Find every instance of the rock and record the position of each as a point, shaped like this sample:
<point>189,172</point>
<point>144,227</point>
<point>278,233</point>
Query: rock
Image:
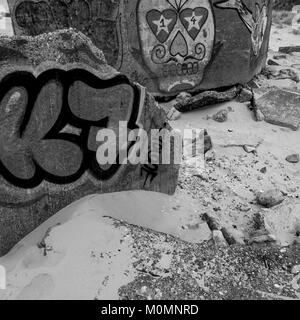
<point>207,98</point>
<point>296,269</point>
<point>212,220</point>
<point>207,142</point>
<point>270,198</point>
<point>173,114</point>
<point>262,239</point>
<point>233,236</point>
<point>284,222</point>
<point>272,63</point>
<point>288,74</point>
<point>183,98</point>
<point>279,73</point>
<point>245,95</point>
<point>279,56</point>
<point>280,107</point>
<point>219,239</point>
<point>74,91</point>
<point>289,49</point>
<point>249,148</point>
<point>210,155</point>
<point>259,115</point>
<point>293,158</point>
<point>221,116</point>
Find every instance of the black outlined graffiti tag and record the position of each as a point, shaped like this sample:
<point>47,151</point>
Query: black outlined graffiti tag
<point>35,112</point>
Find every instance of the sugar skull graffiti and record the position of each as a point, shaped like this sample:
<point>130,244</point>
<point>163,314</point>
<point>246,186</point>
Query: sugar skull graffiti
<point>256,23</point>
<point>176,39</point>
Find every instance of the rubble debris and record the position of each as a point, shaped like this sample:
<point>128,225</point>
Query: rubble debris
<point>280,107</point>
<point>206,98</point>
<point>270,198</point>
<point>173,114</point>
<point>284,222</point>
<point>249,148</point>
<point>221,116</point>
<point>273,63</point>
<point>293,158</point>
<point>262,238</point>
<point>245,95</point>
<point>289,49</point>
<point>219,239</point>
<point>279,73</point>
<point>207,142</point>
<point>183,98</point>
<point>296,269</point>
<point>212,220</point>
<point>279,56</point>
<point>259,116</point>
<point>210,155</point>
<point>233,236</point>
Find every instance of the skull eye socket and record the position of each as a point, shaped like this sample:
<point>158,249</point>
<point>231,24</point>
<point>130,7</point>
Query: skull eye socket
<point>162,23</point>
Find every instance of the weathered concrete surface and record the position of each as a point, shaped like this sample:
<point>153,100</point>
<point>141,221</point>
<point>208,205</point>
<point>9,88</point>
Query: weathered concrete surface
<point>167,46</point>
<point>280,107</point>
<point>56,93</point>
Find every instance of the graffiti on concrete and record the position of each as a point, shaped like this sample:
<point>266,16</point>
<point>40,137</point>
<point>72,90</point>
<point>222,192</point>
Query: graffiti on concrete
<point>49,124</point>
<point>177,39</point>
<point>256,23</point>
<point>168,46</point>
<point>97,19</point>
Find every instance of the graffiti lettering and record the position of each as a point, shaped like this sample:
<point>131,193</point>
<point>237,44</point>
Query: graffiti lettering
<point>48,124</point>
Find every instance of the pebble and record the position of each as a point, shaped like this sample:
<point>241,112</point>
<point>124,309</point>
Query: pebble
<point>221,116</point>
<point>296,269</point>
<point>249,148</point>
<point>293,158</point>
<point>270,198</point>
<point>262,239</point>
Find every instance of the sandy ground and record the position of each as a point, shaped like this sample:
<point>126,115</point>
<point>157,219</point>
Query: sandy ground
<point>160,247</point>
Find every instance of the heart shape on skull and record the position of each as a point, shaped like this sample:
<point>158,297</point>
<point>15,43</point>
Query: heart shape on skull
<point>193,20</point>
<point>162,23</point>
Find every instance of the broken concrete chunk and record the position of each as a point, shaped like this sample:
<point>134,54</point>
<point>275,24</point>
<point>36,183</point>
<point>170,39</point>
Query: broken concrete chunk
<point>233,236</point>
<point>280,107</point>
<point>272,63</point>
<point>219,239</point>
<point>289,49</point>
<point>69,88</point>
<point>207,98</point>
<point>284,222</point>
<point>212,220</point>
